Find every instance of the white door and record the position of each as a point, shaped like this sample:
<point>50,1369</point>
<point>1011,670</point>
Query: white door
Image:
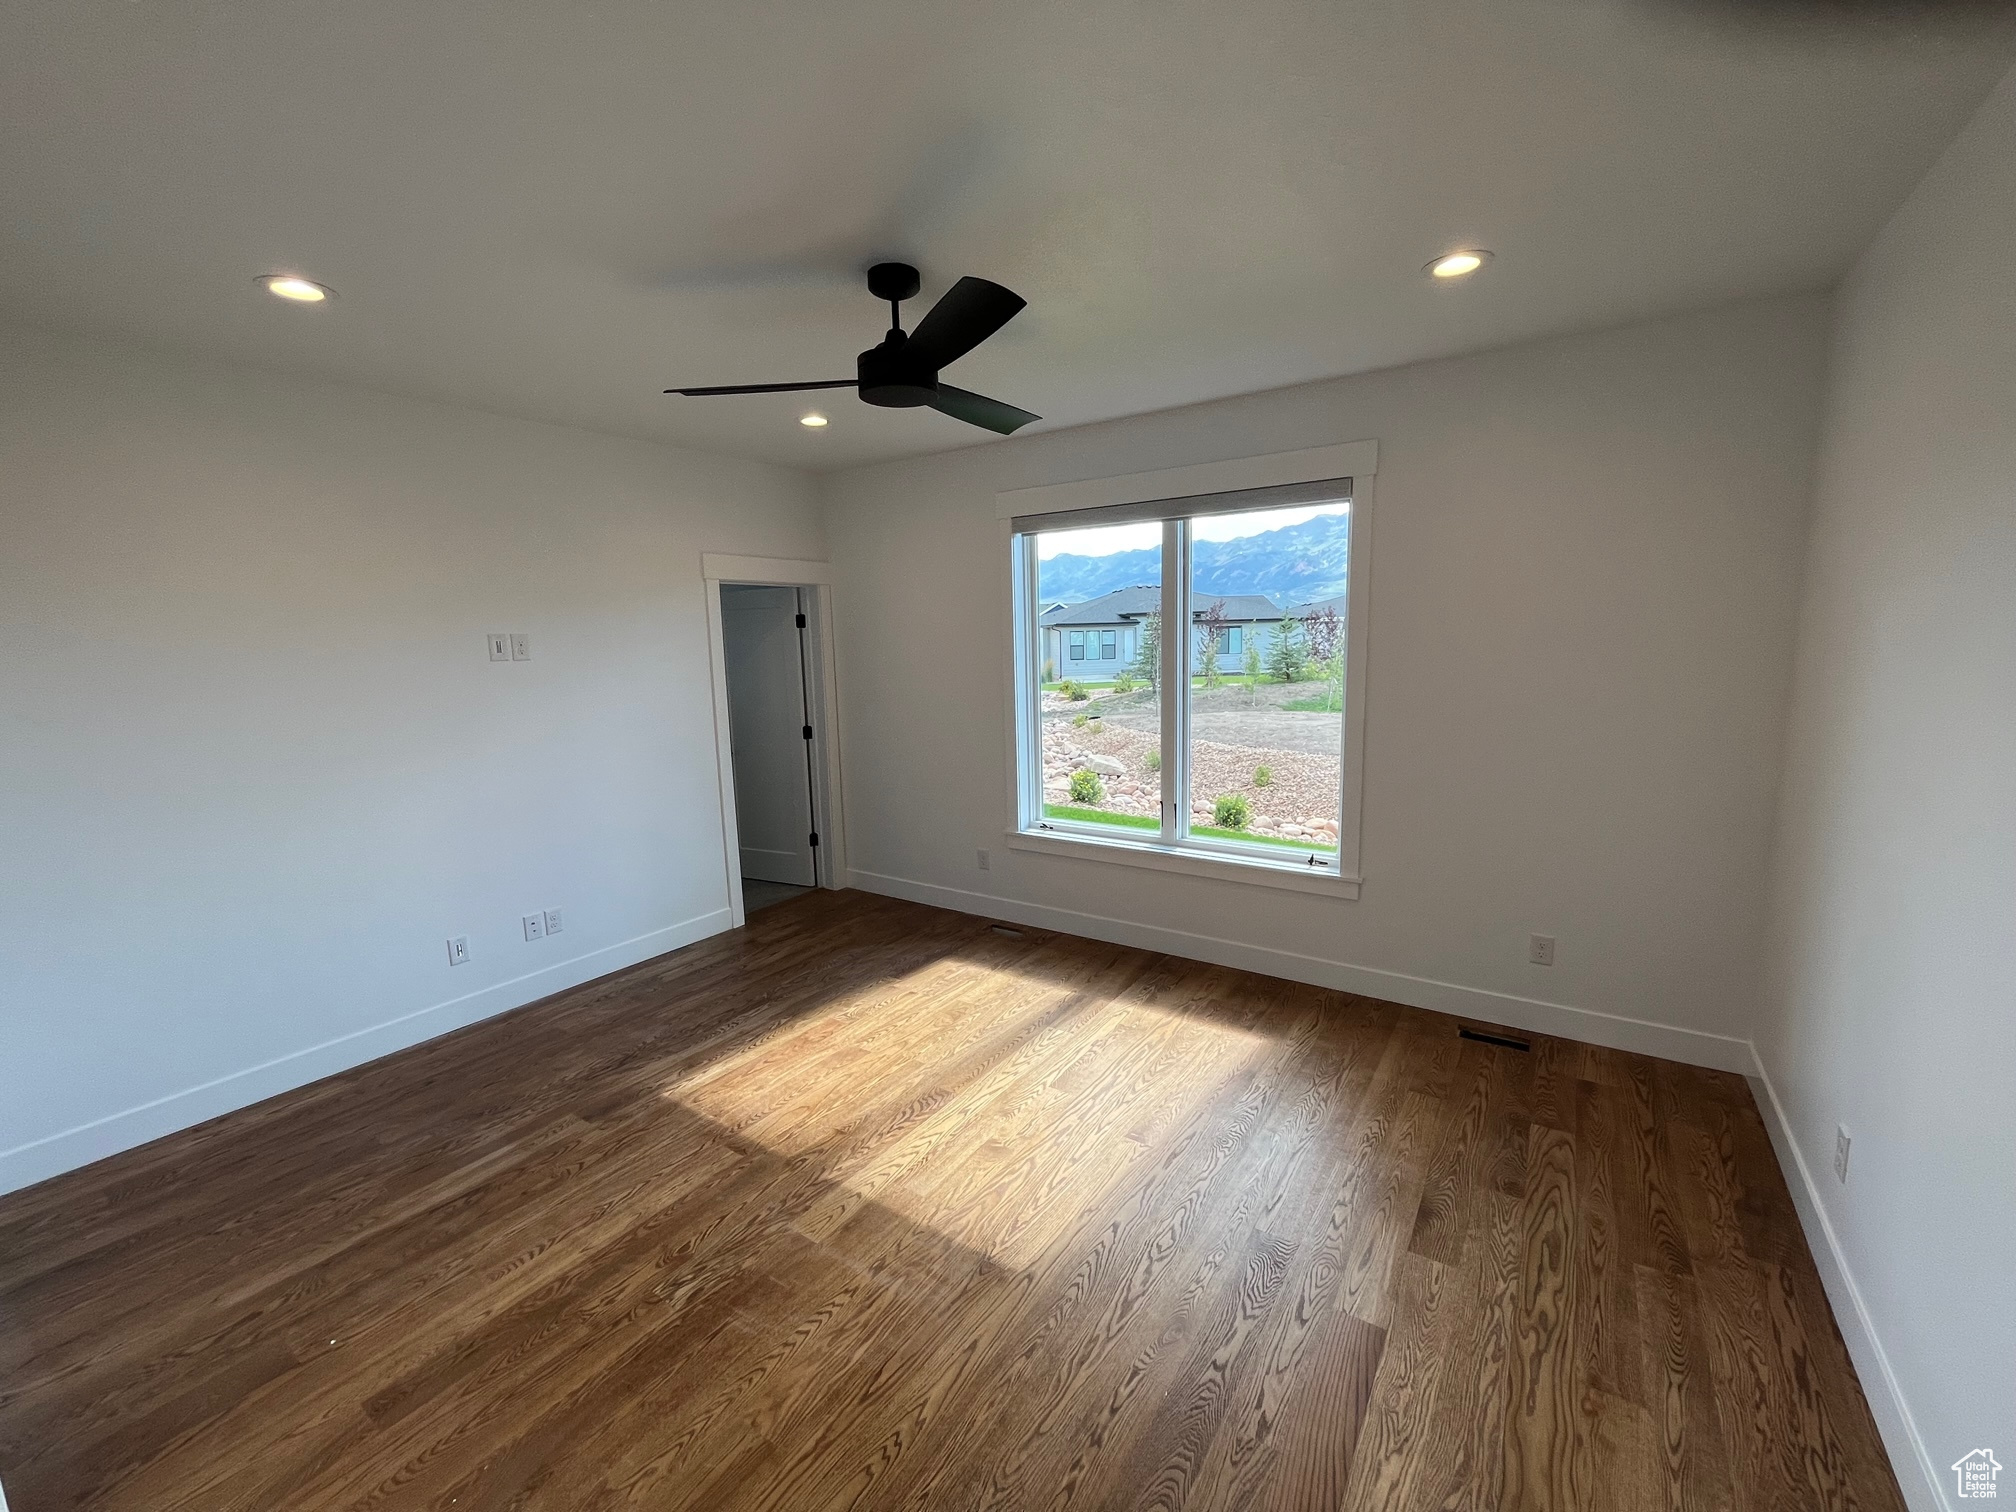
<point>768,713</point>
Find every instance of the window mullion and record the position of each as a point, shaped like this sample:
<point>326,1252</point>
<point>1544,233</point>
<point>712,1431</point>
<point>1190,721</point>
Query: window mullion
<point>1029,685</point>
<point>1175,680</point>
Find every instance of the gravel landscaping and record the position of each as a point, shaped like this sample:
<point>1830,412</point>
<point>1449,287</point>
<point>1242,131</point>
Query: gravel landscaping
<point>1299,803</point>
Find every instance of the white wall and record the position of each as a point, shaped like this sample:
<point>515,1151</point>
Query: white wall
<point>255,767</point>
<point>1584,583</point>
<point>1893,969</point>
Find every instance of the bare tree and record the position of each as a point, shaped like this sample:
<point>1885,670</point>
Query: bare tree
<point>1323,634</point>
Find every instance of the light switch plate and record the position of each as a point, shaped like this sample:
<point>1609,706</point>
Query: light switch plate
<point>458,951</point>
<point>500,646</point>
<point>535,926</point>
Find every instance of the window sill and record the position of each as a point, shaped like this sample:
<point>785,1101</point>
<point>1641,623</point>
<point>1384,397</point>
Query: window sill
<point>1154,856</point>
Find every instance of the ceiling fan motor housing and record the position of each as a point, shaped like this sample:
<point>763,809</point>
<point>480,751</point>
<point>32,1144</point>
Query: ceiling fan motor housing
<point>894,281</point>
<point>893,378</point>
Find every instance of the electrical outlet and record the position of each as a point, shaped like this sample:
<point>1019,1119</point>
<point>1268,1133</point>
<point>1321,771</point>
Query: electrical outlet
<point>458,951</point>
<point>500,646</point>
<point>552,921</point>
<point>986,862</point>
<point>535,926</point>
<point>521,646</point>
<point>1841,1143</point>
<point>1540,950</point>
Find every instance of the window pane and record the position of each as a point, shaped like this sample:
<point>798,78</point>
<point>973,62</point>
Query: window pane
<point>1101,719</point>
<point>1267,721</point>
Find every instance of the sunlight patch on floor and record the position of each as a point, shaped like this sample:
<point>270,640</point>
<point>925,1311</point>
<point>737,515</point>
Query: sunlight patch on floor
<point>1005,1165</point>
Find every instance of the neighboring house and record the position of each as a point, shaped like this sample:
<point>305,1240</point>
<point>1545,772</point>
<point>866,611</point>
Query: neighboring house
<point>1098,638</point>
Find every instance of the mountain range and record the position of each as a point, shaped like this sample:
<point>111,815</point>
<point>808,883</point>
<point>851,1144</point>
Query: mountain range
<point>1292,565</point>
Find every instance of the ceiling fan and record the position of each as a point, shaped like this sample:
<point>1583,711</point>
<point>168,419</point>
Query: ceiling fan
<point>902,371</point>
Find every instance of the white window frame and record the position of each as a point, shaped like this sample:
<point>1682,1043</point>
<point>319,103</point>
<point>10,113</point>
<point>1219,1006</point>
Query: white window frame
<point>1184,490</point>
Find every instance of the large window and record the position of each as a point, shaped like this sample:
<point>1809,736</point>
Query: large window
<point>1224,740</point>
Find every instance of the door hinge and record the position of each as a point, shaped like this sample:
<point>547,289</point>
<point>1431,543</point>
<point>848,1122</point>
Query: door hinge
<point>815,839</point>
<point>801,622</point>
<point>808,732</point>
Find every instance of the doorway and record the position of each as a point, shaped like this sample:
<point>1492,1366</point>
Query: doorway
<point>771,645</point>
<point>763,636</point>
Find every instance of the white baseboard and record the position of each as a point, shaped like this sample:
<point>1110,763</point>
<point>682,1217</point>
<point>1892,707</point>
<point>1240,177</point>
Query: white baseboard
<point>68,1149</point>
<point>1718,1051</point>
<point>1923,1484</point>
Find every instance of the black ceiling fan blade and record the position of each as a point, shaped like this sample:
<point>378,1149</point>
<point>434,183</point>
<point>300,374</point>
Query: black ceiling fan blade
<point>767,388</point>
<point>978,409</point>
<point>972,310</point>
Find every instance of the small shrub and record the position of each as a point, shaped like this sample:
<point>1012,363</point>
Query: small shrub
<point>1229,812</point>
<point>1074,690</point>
<point>1086,786</point>
<point>1078,721</point>
<point>1154,761</point>
<point>1123,681</point>
<point>1263,776</point>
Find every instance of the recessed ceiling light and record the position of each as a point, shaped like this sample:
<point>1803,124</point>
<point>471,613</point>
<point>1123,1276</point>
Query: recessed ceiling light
<point>1458,264</point>
<point>814,420</point>
<point>300,290</point>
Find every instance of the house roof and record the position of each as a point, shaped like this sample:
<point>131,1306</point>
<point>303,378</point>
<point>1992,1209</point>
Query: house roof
<point>1316,606</point>
<point>1126,604</point>
<point>1237,606</point>
<point>1109,608</point>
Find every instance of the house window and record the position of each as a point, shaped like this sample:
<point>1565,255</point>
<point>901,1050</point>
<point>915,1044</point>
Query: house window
<point>1216,746</point>
<point>1077,645</point>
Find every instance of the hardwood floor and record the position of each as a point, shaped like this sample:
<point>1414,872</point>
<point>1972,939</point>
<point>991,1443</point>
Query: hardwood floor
<point>871,1206</point>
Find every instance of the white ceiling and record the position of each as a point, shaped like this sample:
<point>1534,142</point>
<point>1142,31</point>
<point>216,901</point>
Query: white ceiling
<point>558,209</point>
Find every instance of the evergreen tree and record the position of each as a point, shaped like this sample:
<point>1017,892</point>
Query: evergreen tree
<point>1286,656</point>
<point>1148,660</point>
<point>1211,624</point>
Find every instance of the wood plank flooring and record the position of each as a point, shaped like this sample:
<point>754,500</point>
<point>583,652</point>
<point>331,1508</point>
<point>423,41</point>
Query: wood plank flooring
<point>871,1206</point>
